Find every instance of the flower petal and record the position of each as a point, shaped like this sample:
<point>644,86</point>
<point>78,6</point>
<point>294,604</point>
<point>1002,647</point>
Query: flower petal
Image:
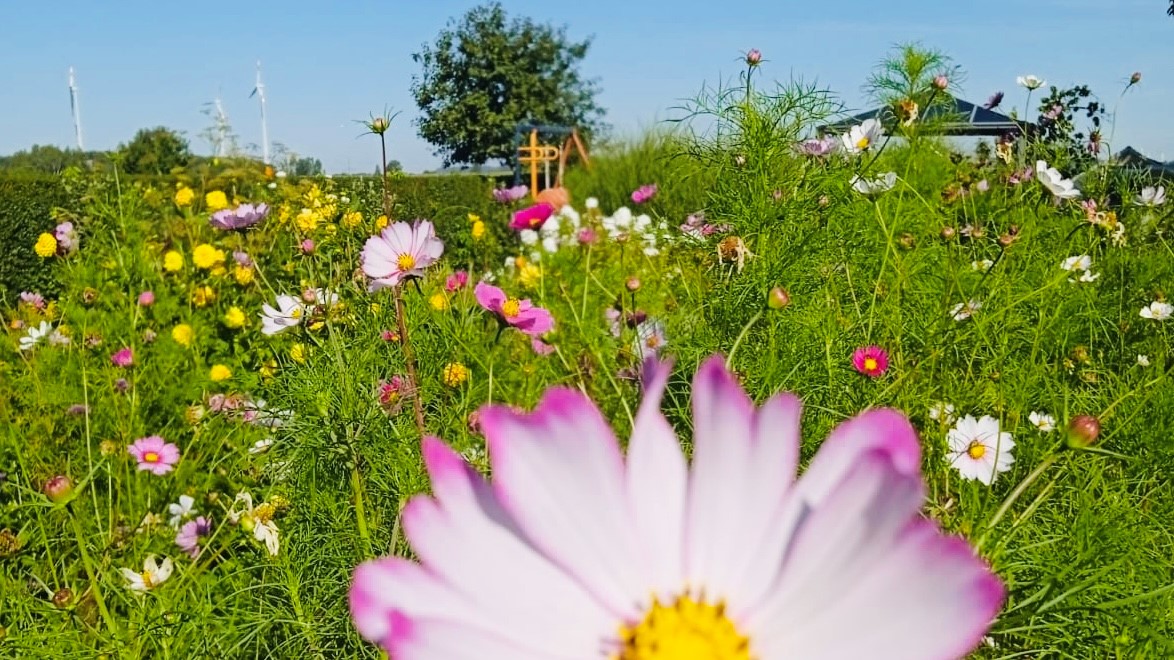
<point>429,639</point>
<point>884,429</point>
<point>559,472</point>
<point>489,296</point>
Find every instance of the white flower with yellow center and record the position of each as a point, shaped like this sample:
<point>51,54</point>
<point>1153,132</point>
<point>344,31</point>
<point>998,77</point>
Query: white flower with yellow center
<point>1042,421</point>
<point>1157,310</point>
<point>979,450</point>
<point>287,314</point>
<point>863,136</point>
<point>152,575</point>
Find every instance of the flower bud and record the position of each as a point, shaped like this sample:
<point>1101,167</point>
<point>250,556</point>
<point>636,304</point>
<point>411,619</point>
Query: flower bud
<point>778,298</point>
<point>1135,78</point>
<point>1083,431</point>
<point>906,240</point>
<point>633,284</point>
<point>940,83</point>
<point>307,246</point>
<point>753,57</point>
<point>1007,239</point>
<point>59,488</point>
<point>379,125</point>
<point>62,598</point>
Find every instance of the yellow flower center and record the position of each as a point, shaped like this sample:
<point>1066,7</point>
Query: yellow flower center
<point>870,364</point>
<point>652,342</point>
<point>976,450</point>
<point>148,582</point>
<point>863,143</point>
<point>687,629</point>
<point>511,308</point>
<point>151,457</point>
<point>406,262</point>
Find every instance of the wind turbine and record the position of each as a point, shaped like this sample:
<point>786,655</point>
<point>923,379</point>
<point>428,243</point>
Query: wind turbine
<point>259,92</point>
<point>75,108</point>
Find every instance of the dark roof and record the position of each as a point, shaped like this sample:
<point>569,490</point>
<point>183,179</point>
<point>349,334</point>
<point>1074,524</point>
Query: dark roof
<point>961,118</point>
<point>1132,158</point>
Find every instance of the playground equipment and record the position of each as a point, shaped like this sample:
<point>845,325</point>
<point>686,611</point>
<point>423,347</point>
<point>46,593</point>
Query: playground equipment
<point>531,153</point>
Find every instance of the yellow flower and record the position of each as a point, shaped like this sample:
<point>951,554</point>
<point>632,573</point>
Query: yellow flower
<point>439,301</point>
<point>352,219</point>
<point>219,373</point>
<point>478,230</point>
<point>218,271</point>
<point>474,218</point>
<point>184,196</point>
<point>202,296</point>
<point>455,373</point>
<point>172,261</point>
<point>46,246</point>
<point>205,256</point>
<point>380,222</point>
<point>269,369</point>
<point>307,221</point>
<point>529,275</point>
<point>297,353</point>
<point>183,334</point>
<point>234,317</point>
<point>375,307</point>
<point>216,200</point>
<point>243,274</point>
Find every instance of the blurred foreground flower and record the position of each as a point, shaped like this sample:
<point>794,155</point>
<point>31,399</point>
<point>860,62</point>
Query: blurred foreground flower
<point>650,558</point>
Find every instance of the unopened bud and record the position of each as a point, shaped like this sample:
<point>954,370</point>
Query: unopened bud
<point>753,57</point>
<point>1007,239</point>
<point>379,125</point>
<point>62,598</point>
<point>1135,78</point>
<point>59,488</point>
<point>633,284</point>
<point>1083,431</point>
<point>906,240</point>
<point>778,298</point>
<point>948,233</point>
<point>940,83</point>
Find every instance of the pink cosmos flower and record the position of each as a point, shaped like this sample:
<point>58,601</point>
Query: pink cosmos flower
<point>587,236</point>
<point>729,556</point>
<point>509,195</point>
<point>456,281</point>
<point>818,146</point>
<point>391,393</point>
<point>644,193</point>
<point>400,252</point>
<point>872,361</point>
<point>532,217</point>
<point>154,454</point>
<point>123,357</point>
<point>242,258</point>
<point>146,299</point>
<point>190,533</point>
<point>239,218</point>
<point>33,299</point>
<point>540,347</point>
<point>308,246</point>
<point>521,314</point>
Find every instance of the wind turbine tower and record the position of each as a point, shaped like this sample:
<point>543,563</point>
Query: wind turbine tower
<point>259,92</point>
<point>76,110</point>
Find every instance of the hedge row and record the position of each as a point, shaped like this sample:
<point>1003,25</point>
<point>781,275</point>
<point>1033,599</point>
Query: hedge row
<point>26,209</point>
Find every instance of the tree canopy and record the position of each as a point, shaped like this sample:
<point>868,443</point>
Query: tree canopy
<point>486,72</point>
<point>154,151</point>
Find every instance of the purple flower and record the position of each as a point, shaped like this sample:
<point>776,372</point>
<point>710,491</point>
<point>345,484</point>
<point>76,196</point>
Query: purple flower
<point>66,238</point>
<point>818,146</point>
<point>123,357</point>
<point>77,410</point>
<point>1054,112</point>
<point>753,57</point>
<point>146,299</point>
<point>510,195</point>
<point>33,299</point>
<point>240,218</point>
<point>308,246</point>
<point>994,101</point>
<point>242,258</point>
<point>587,236</point>
<point>188,538</point>
<point>121,385</point>
<point>644,194</point>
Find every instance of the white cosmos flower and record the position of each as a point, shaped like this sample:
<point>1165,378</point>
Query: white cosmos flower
<point>1157,310</point>
<point>650,339</point>
<point>1143,360</point>
<point>982,266</point>
<point>550,244</point>
<point>286,315</point>
<point>181,510</point>
<point>979,450</point>
<point>261,446</point>
<point>324,297</point>
<point>591,203</point>
<point>259,517</point>
<point>1055,182</point>
<point>1042,421</point>
<point>861,137</point>
<point>1086,276</point>
<point>35,334</point>
<point>874,186</point>
<point>528,236</point>
<point>152,575</point>
<point>1030,82</point>
<point>1082,262</point>
<point>942,412</point>
<point>1151,196</point>
<point>963,311</point>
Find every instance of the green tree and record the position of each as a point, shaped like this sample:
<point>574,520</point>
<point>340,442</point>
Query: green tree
<point>486,72</point>
<point>154,151</point>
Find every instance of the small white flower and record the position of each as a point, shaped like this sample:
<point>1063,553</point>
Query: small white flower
<point>550,244</point>
<point>1055,182</point>
<point>35,335</point>
<point>286,315</point>
<point>272,185</point>
<point>650,339</point>
<point>1030,82</point>
<point>942,412</point>
<point>511,262</point>
<point>874,186</point>
<point>528,236</point>
<point>266,532</point>
<point>863,136</point>
<point>261,446</point>
<point>651,250</point>
<point>979,449</point>
<point>58,338</point>
<point>982,266</point>
<point>152,575</point>
<point>1042,421</point>
<point>1143,360</point>
<point>1082,262</point>
<point>344,199</point>
<point>1086,276</point>
<point>281,174</point>
<point>963,311</point>
<point>1151,196</point>
<point>1157,310</point>
<point>181,510</point>
<point>591,203</point>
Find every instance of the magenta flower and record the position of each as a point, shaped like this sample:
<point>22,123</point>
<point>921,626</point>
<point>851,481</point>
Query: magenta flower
<point>456,281</point>
<point>123,357</point>
<point>308,246</point>
<point>521,314</point>
<point>872,361</point>
<point>154,454</point>
<point>390,392</point>
<point>753,57</point>
<point>400,252</point>
<point>240,218</point>
<point>35,300</point>
<point>190,533</point>
<point>728,555</point>
<point>146,299</point>
<point>540,347</point>
<point>532,217</point>
<point>644,193</point>
<point>587,236</point>
<point>510,195</point>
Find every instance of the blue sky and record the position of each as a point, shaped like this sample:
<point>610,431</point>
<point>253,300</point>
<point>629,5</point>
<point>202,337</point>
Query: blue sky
<point>327,63</point>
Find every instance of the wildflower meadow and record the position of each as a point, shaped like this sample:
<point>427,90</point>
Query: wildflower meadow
<point>766,382</point>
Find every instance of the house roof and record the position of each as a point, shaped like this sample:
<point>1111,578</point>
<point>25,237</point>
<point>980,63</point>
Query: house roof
<point>961,118</point>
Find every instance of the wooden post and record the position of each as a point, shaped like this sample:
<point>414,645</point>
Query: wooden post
<point>534,164</point>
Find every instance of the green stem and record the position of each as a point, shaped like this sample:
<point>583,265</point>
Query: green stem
<point>741,336</point>
<point>1015,494</point>
<point>360,508</point>
<point>92,574</point>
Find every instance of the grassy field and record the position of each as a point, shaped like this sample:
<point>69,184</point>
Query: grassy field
<point>299,449</point>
